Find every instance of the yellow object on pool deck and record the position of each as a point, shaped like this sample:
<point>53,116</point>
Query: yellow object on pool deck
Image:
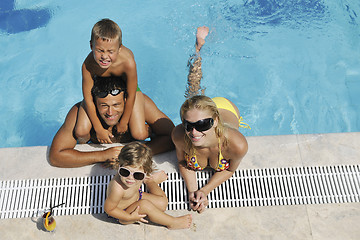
<point>223,103</point>
<point>49,222</point>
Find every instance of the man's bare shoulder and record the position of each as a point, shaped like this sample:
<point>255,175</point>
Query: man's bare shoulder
<point>178,134</point>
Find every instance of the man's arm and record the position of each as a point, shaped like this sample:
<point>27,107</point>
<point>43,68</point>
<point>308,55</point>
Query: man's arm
<point>160,125</point>
<point>63,154</point>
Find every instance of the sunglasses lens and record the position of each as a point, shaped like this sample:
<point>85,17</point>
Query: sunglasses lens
<point>139,175</point>
<point>102,94</point>
<point>200,126</point>
<point>188,126</point>
<point>115,92</point>
<point>204,124</point>
<point>124,172</point>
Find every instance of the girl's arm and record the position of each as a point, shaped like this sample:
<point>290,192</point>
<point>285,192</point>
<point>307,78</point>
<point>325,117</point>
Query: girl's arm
<point>131,83</point>
<point>111,207</point>
<point>102,134</point>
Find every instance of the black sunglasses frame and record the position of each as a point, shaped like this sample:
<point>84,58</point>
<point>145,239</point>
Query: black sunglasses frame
<point>200,126</point>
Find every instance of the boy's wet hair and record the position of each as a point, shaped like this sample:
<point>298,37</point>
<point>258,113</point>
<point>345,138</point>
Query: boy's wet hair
<point>136,154</point>
<point>106,29</point>
<point>107,84</point>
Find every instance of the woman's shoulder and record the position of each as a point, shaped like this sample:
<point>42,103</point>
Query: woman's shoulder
<point>236,142</point>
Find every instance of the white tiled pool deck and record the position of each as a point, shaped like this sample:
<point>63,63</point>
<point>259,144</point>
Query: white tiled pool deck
<point>321,221</point>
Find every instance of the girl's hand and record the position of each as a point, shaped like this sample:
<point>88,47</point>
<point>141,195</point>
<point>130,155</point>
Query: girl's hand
<point>138,217</point>
<point>103,136</point>
<point>121,128</point>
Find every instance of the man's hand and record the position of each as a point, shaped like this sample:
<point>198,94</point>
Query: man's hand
<point>111,156</point>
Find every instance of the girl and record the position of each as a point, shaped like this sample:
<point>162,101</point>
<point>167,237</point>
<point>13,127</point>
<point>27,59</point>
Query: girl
<point>125,200</point>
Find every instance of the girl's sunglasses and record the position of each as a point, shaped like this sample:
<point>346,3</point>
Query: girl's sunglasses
<point>200,126</point>
<point>124,172</point>
<point>113,92</point>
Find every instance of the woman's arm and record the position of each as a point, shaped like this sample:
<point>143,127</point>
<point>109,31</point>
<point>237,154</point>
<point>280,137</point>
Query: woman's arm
<point>188,174</point>
<point>234,152</point>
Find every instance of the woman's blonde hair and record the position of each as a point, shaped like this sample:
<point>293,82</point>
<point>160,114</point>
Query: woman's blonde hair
<point>106,29</point>
<point>202,103</point>
<point>138,155</point>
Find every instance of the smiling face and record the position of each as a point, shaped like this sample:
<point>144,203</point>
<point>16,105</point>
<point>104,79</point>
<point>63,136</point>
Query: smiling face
<point>198,138</point>
<point>111,108</point>
<point>105,51</point>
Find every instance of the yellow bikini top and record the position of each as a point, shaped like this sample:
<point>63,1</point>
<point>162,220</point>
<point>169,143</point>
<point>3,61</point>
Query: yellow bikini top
<point>192,163</point>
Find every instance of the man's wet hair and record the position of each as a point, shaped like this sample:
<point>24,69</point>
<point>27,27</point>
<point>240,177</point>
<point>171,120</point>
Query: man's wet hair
<point>107,84</point>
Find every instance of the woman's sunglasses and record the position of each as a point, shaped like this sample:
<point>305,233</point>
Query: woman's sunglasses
<point>124,172</point>
<point>113,92</point>
<point>200,126</point>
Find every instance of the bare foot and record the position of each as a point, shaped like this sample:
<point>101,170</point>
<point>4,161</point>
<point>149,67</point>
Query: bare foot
<point>181,222</point>
<point>157,177</point>
<point>201,34</point>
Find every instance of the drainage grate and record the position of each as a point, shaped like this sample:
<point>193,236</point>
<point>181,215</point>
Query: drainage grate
<point>249,187</point>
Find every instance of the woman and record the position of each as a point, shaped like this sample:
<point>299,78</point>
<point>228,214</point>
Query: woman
<point>208,135</point>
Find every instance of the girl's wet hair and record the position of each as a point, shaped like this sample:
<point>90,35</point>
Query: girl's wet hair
<point>136,154</point>
<point>106,29</point>
<point>202,103</point>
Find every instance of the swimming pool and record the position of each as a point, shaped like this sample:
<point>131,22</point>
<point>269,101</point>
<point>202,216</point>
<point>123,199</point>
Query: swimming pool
<point>292,67</point>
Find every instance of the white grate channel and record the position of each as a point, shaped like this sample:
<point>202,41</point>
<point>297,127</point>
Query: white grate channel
<point>246,188</point>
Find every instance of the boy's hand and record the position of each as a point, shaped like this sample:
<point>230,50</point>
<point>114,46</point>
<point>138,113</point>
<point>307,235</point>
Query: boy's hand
<point>103,136</point>
<point>138,217</point>
<point>121,127</point>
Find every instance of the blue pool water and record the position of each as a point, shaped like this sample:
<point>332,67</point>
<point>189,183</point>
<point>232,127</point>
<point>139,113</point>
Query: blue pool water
<point>291,66</point>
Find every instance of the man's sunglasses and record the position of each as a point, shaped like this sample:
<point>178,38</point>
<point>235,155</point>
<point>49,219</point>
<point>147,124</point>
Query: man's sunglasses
<point>200,126</point>
<point>124,172</point>
<point>113,92</point>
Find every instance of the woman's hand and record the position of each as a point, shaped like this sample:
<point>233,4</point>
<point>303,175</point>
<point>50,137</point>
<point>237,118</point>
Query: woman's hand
<point>198,201</point>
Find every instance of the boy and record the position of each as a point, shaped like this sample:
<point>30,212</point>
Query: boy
<point>125,200</point>
<point>110,58</point>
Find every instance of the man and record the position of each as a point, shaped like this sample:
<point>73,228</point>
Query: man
<point>109,94</point>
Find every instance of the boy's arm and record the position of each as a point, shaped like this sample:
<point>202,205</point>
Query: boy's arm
<point>102,134</point>
<point>131,84</point>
